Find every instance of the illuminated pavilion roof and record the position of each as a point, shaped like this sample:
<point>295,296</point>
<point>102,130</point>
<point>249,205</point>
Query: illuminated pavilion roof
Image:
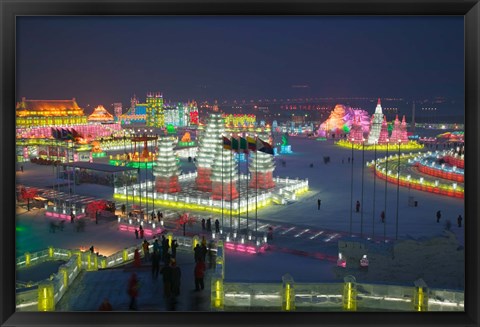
<point>100,114</point>
<point>55,108</point>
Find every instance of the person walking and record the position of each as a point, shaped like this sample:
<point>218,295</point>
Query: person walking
<point>197,252</point>
<point>209,224</point>
<point>439,215</point>
<point>459,220</point>
<point>141,231</point>
<point>176,277</point>
<point>319,203</point>
<point>203,223</point>
<point>174,249</point>
<point>357,206</point>
<point>146,251</point>
<point>133,286</point>
<point>382,216</point>
<point>136,259</point>
<point>155,264</point>
<point>217,226</point>
<point>167,281</point>
<point>21,168</point>
<point>124,208</point>
<point>136,233</point>
<point>199,273</point>
<point>165,246</point>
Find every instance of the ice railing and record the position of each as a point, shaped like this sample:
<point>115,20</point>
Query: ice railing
<point>288,295</point>
<point>330,297</point>
<point>43,295</point>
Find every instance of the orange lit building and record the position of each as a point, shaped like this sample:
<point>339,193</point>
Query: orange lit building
<point>100,114</point>
<point>30,113</point>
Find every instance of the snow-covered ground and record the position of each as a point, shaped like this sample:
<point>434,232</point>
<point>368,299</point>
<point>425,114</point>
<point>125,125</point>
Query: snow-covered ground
<point>300,229</point>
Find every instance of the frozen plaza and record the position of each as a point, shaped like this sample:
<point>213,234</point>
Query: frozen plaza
<point>305,238</point>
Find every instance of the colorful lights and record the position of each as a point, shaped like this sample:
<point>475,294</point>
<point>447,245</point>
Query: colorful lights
<point>421,183</point>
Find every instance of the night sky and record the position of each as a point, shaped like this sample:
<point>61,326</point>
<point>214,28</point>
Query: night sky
<point>101,60</point>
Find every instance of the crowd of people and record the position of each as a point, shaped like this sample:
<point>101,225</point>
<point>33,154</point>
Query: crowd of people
<point>162,257</point>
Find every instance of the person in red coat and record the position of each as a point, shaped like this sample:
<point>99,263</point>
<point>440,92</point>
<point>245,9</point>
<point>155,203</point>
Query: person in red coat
<point>136,259</point>
<point>132,291</point>
<point>199,273</point>
<point>105,306</point>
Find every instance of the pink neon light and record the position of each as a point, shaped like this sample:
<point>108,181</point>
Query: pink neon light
<point>241,248</point>
<point>230,246</point>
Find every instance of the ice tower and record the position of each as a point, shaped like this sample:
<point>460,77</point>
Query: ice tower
<point>167,169</point>
<point>224,174</point>
<point>207,144</point>
<point>261,167</point>
<point>376,127</point>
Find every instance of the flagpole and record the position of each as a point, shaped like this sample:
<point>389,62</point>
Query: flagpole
<point>246,157</point>
<point>231,190</point>
<point>239,177</point>
<point>256,187</point>
<point>223,192</point>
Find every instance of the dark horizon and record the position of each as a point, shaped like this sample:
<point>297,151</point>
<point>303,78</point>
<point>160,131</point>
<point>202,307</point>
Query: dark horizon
<point>101,60</point>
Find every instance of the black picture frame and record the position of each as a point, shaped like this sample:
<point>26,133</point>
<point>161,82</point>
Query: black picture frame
<point>470,9</point>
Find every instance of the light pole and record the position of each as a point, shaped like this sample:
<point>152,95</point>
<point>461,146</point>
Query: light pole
<point>374,186</point>
<point>363,170</point>
<point>398,189</point>
<point>385,206</point>
<point>351,191</point>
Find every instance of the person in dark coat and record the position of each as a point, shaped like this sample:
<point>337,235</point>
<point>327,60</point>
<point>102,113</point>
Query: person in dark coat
<point>357,206</point>
<point>155,264</point>
<point>319,203</point>
<point>133,286</point>
<point>203,223</point>
<point>217,226</point>
<point>203,252</point>
<point>174,249</point>
<point>136,233</point>
<point>123,209</point>
<point>382,216</point>
<point>141,231</point>
<point>199,273</point>
<point>197,253</point>
<point>167,281</point>
<point>439,215</point>
<point>209,225</point>
<point>176,277</point>
<point>165,246</point>
<point>459,220</point>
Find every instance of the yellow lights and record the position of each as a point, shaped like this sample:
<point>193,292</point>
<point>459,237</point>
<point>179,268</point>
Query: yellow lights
<point>287,298</point>
<point>420,296</point>
<point>218,295</point>
<point>411,145</point>
<point>125,255</point>
<point>50,252</point>
<point>170,238</point>
<point>288,302</point>
<point>79,259</point>
<point>195,241</point>
<point>46,300</point>
<point>195,206</point>
<point>63,271</point>
<point>349,294</point>
<point>28,259</point>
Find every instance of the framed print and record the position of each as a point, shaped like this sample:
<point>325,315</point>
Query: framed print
<point>184,163</point>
